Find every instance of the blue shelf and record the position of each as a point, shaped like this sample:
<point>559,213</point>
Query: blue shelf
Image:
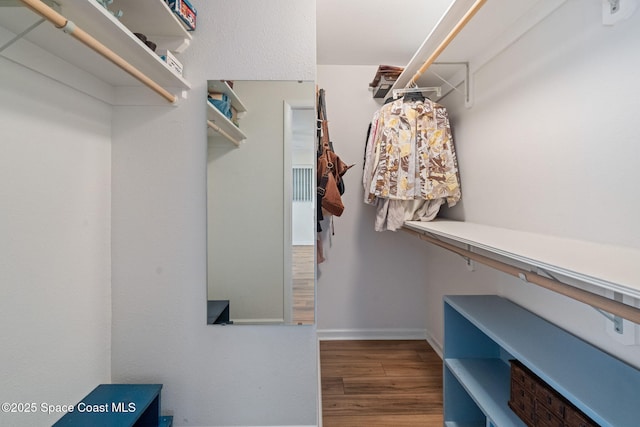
<point>487,326</point>
<point>487,382</point>
<point>121,405</point>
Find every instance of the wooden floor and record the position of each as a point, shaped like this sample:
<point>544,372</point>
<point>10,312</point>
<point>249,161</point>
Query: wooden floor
<point>303,285</point>
<point>380,384</point>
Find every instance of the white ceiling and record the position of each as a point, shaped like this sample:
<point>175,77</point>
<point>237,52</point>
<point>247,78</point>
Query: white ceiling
<point>373,32</point>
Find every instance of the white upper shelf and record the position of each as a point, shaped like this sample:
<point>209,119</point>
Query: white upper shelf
<point>606,266</point>
<point>153,18</point>
<point>494,27</point>
<point>94,19</point>
<point>226,126</point>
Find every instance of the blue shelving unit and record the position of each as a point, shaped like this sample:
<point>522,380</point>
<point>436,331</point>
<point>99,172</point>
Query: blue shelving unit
<point>483,332</point>
<point>122,405</point>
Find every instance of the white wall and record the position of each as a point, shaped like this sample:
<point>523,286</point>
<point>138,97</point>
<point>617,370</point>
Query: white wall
<point>55,191</point>
<point>212,375</point>
<point>371,283</point>
<point>550,146</point>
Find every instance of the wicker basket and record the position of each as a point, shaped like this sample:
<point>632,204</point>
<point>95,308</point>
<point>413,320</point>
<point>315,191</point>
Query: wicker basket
<point>539,405</point>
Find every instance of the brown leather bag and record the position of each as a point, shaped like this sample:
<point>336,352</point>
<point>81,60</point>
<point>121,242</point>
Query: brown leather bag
<point>331,199</point>
<point>330,170</point>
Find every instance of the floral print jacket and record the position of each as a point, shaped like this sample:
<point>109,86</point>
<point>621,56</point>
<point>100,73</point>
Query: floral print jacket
<point>410,154</point>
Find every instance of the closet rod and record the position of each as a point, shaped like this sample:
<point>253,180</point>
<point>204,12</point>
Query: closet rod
<point>454,32</point>
<point>221,131</point>
<point>614,307</point>
<point>67,26</point>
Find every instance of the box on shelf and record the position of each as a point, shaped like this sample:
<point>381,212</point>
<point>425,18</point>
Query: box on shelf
<point>185,11</point>
<point>385,77</point>
<point>170,59</point>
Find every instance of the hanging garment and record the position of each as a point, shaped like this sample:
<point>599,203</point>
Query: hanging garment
<point>391,214</point>
<point>410,157</point>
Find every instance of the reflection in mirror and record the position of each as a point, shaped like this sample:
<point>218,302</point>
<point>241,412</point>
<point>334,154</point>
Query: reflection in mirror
<point>260,204</point>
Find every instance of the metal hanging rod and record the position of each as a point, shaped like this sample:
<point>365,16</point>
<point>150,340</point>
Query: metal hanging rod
<point>597,301</point>
<point>454,32</point>
<point>69,27</point>
<point>221,131</point>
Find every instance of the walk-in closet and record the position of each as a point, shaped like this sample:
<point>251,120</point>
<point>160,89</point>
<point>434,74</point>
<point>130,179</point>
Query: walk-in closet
<point>319,213</point>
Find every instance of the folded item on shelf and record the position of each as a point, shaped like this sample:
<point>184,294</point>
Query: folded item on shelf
<point>168,57</point>
<point>185,11</point>
<point>222,102</point>
<point>390,72</point>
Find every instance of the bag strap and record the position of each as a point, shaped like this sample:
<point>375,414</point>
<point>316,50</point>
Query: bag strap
<point>322,185</point>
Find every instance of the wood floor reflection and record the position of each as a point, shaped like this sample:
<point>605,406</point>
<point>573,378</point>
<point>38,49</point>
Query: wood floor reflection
<point>303,285</point>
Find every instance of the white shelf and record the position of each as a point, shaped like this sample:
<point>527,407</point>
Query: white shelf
<point>90,16</point>
<point>224,124</point>
<point>606,266</point>
<point>487,382</point>
<point>495,26</point>
<point>223,87</point>
<point>154,19</point>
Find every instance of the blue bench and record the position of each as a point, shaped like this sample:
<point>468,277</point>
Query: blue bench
<point>122,405</point>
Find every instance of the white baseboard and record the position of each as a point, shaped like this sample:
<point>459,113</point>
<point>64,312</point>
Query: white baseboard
<point>319,401</point>
<point>277,321</point>
<point>436,345</point>
<point>371,334</point>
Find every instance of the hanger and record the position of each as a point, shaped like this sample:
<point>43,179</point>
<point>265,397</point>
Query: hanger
<point>415,93</point>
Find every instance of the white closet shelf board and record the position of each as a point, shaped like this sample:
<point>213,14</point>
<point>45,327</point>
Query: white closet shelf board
<point>614,268</point>
<point>222,87</point>
<point>99,23</point>
<point>154,19</point>
<point>494,27</point>
<point>226,125</point>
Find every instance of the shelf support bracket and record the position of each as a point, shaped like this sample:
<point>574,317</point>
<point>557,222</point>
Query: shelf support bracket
<point>617,296</point>
<point>16,3</point>
<point>614,11</point>
<point>614,6</point>
<point>22,34</point>
<point>468,101</point>
<point>617,320</point>
<point>470,264</point>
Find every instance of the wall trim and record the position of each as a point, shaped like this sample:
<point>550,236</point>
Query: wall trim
<point>296,425</point>
<point>435,345</point>
<point>319,369</point>
<point>371,334</point>
<point>258,321</point>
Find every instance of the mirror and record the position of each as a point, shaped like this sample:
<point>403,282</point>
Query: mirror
<point>260,203</point>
